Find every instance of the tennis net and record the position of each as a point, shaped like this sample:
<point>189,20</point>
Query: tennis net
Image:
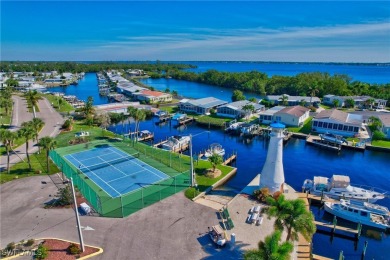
<point>85,168</point>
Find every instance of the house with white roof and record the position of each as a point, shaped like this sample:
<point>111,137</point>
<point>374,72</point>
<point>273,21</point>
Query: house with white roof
<point>235,109</point>
<point>293,100</point>
<point>385,122</point>
<point>337,122</point>
<point>359,100</point>
<point>266,117</point>
<point>200,106</point>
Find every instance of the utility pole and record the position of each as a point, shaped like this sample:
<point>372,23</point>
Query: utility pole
<point>77,217</point>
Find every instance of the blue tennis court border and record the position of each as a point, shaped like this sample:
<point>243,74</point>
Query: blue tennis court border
<point>116,179</point>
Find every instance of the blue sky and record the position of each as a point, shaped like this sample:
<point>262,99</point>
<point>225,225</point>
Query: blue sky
<point>324,31</point>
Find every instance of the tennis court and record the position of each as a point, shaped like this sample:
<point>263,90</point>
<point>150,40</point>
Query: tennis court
<point>115,171</point>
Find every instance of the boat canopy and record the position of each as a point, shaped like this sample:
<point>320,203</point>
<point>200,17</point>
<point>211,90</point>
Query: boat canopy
<point>340,181</point>
<point>320,180</point>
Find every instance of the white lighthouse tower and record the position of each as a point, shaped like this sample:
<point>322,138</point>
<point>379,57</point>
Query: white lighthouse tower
<point>272,175</point>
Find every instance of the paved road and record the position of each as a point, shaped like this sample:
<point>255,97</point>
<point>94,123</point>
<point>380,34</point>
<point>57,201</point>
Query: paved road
<point>53,122</point>
<point>171,229</point>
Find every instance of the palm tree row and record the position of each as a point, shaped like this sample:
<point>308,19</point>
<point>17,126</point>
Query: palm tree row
<point>29,130</point>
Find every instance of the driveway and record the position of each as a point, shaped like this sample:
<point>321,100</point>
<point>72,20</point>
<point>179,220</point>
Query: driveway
<point>53,122</point>
<point>174,228</point>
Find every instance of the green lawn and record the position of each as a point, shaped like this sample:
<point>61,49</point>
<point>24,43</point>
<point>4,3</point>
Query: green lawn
<point>64,107</point>
<point>305,129</point>
<point>203,181</point>
<point>21,170</point>
<point>95,133</point>
<point>381,143</point>
<point>326,106</point>
<point>213,120</point>
<point>5,119</point>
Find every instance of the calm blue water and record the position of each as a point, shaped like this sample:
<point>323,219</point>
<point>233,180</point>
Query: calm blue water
<point>366,73</point>
<point>194,89</point>
<point>88,86</point>
<point>300,162</point>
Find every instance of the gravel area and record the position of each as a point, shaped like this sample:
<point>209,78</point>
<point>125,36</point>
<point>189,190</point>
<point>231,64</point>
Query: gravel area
<point>58,250</point>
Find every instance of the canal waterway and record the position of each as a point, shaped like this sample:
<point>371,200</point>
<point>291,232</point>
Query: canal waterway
<point>301,161</point>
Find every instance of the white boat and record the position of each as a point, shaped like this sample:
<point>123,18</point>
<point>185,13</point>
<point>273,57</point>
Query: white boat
<point>339,187</point>
<point>337,139</point>
<point>214,149</point>
<point>360,212</point>
<point>234,127</point>
<point>217,235</point>
<point>176,143</point>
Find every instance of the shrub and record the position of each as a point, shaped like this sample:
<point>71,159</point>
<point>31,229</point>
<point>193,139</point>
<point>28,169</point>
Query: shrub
<point>378,135</point>
<point>67,124</point>
<point>10,246</point>
<point>41,252</point>
<point>30,242</point>
<point>276,195</point>
<point>65,196</point>
<point>74,249</point>
<point>261,194</point>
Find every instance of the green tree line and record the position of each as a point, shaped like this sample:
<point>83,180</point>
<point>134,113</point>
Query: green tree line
<point>302,84</point>
<point>77,67</point>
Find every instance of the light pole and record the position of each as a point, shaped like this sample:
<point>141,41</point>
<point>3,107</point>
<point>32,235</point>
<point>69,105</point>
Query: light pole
<point>77,217</point>
<point>192,164</point>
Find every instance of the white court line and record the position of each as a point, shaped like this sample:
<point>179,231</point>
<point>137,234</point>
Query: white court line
<point>126,176</point>
<point>100,179</point>
<point>161,178</point>
<point>89,157</point>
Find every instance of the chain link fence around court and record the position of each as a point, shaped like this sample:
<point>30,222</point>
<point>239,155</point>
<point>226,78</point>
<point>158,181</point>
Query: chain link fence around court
<point>176,166</point>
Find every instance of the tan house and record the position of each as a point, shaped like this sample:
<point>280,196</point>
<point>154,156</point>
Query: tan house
<point>151,97</point>
<point>292,116</point>
<point>337,122</point>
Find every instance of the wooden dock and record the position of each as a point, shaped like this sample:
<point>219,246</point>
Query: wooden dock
<point>185,121</point>
<point>317,141</point>
<point>176,150</point>
<point>142,138</point>
<point>164,118</point>
<point>230,159</point>
<point>336,227</point>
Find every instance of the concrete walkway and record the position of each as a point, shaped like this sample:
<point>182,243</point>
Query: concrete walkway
<point>53,122</point>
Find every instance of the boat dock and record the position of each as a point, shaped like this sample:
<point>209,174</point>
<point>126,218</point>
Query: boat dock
<point>230,160</point>
<point>317,141</point>
<point>185,121</point>
<point>182,148</point>
<point>164,118</point>
<point>140,138</point>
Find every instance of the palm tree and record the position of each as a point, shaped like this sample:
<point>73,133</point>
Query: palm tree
<point>313,92</point>
<point>7,138</point>
<point>292,215</point>
<point>27,132</point>
<point>284,100</point>
<point>215,159</point>
<point>248,108</point>
<point>349,102</point>
<point>6,103</point>
<point>270,249</point>
<point>32,97</point>
<point>37,125</point>
<point>138,115</point>
<point>48,144</point>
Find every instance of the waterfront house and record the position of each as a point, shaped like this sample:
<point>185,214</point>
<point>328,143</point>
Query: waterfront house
<point>3,79</point>
<point>293,100</point>
<point>337,122</point>
<point>292,116</point>
<point>152,97</point>
<point>266,117</point>
<point>359,101</point>
<point>129,89</point>
<point>385,124</point>
<point>235,109</point>
<point>200,106</point>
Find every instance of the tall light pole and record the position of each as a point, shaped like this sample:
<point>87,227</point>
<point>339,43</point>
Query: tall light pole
<point>192,164</point>
<point>77,217</point>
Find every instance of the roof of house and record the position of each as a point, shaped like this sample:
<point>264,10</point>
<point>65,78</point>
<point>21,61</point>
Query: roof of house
<point>207,102</point>
<point>151,93</point>
<point>340,116</point>
<point>297,111</point>
<point>385,119</point>
<point>238,105</point>
<point>272,110</point>
<point>294,98</point>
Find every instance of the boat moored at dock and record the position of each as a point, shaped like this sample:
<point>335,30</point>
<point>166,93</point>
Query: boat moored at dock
<point>214,149</point>
<point>360,212</point>
<point>339,187</point>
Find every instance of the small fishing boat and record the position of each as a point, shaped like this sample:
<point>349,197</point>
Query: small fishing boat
<point>332,138</point>
<point>339,187</point>
<point>214,149</point>
<point>360,212</point>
